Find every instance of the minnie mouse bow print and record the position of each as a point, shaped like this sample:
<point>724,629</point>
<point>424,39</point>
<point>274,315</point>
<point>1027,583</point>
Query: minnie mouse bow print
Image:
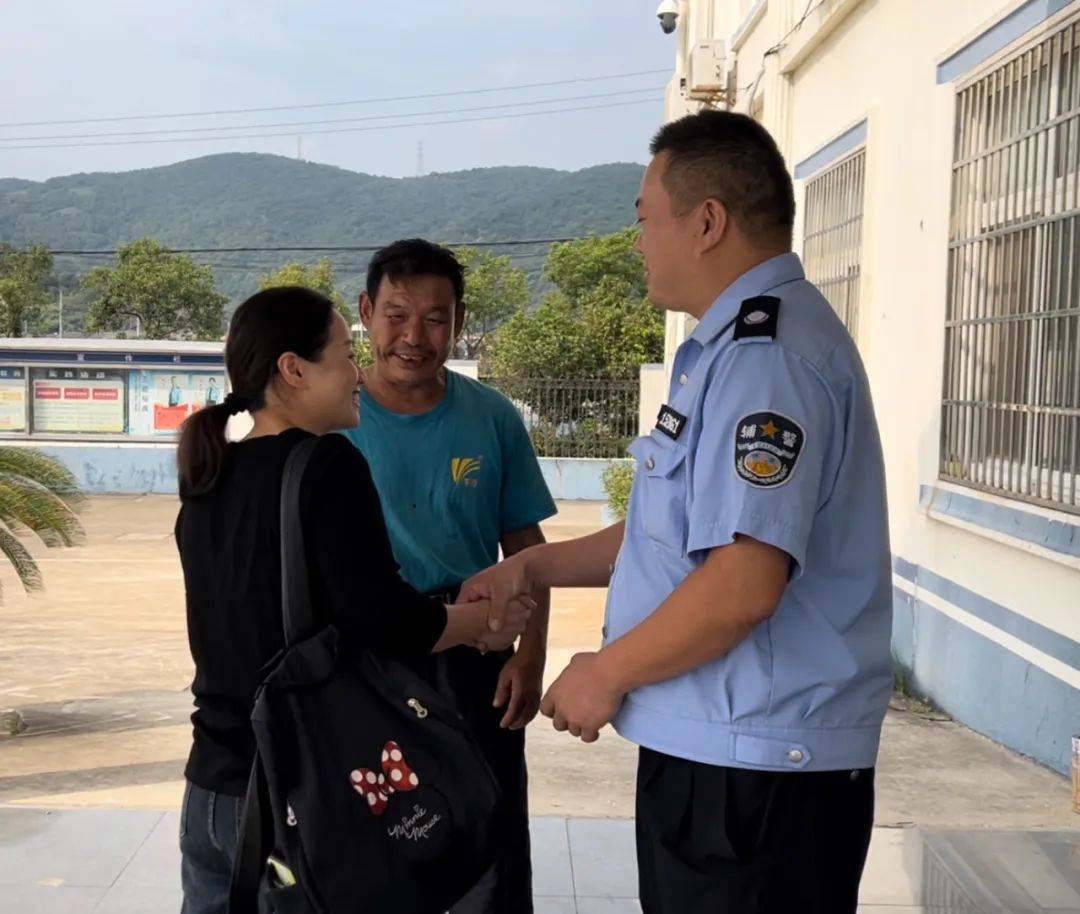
<point>396,777</point>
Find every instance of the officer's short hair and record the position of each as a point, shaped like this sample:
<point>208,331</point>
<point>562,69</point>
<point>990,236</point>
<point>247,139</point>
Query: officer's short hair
<point>413,257</point>
<point>729,157</point>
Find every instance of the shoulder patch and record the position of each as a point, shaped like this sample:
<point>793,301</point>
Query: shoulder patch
<point>758,316</point>
<point>767,449</point>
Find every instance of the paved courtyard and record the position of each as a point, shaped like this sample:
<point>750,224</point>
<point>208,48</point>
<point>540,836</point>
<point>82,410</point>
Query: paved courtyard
<point>98,667</point>
<point>127,862</point>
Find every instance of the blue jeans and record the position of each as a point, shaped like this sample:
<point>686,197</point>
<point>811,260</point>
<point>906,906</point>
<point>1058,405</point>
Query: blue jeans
<point>209,829</point>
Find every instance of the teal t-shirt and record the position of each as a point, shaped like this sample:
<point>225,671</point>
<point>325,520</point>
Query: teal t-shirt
<point>452,481</point>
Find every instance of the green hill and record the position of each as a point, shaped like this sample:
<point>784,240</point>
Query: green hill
<point>239,200</point>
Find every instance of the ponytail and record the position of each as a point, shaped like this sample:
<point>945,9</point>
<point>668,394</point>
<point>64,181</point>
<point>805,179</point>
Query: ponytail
<point>201,453</point>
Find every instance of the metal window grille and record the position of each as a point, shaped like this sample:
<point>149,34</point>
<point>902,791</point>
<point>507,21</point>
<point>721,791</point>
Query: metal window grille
<point>832,241</point>
<point>1011,398</point>
<point>575,418</point>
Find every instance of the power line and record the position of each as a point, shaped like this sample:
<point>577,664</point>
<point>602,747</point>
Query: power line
<point>326,248</point>
<point>253,136</point>
<point>361,101</point>
<point>340,120</point>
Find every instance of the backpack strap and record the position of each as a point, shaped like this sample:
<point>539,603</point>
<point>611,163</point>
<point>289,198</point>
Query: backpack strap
<point>255,844</point>
<point>297,617</point>
<point>256,828</point>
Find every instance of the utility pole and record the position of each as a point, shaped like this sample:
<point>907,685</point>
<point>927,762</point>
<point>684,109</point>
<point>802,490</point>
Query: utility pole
<point>61,312</point>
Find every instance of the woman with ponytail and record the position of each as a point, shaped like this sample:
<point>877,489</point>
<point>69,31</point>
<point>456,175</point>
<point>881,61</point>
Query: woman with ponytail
<point>290,361</point>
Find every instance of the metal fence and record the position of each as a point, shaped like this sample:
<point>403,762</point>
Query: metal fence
<point>832,240</point>
<point>1011,400</point>
<point>572,418</point>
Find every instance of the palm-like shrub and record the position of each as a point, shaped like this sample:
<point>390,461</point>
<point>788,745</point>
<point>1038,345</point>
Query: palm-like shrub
<point>39,495</point>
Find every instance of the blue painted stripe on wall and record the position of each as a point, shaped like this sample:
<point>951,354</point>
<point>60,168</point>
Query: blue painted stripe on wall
<point>1060,647</point>
<point>1055,535</point>
<point>907,570</point>
<point>984,685</point>
<point>830,152</point>
<point>998,36</point>
<point>135,469</point>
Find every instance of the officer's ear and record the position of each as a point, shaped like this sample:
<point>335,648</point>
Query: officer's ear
<point>713,224</point>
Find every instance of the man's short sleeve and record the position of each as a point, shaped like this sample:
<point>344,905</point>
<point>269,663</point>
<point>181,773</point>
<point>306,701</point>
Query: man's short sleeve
<point>525,499</point>
<point>766,453</point>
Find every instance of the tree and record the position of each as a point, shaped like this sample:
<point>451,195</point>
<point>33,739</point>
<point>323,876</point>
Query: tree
<point>25,277</point>
<point>318,276</point>
<point>39,495</point>
<point>495,291</point>
<point>573,364</point>
<point>169,295</point>
<point>597,324</point>
<point>577,267</point>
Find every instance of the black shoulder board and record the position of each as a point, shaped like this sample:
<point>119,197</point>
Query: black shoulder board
<point>758,316</point>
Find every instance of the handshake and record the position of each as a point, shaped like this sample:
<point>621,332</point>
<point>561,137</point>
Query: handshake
<point>501,598</point>
<point>487,630</point>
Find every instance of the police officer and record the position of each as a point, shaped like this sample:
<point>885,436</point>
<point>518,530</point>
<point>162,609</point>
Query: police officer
<point>746,648</point>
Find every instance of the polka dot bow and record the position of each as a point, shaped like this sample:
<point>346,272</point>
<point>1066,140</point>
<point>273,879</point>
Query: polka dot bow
<point>377,788</point>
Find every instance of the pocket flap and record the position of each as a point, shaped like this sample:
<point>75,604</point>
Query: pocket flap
<point>657,458</point>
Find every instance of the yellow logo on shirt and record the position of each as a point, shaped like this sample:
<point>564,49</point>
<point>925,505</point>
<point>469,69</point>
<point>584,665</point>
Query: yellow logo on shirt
<point>463,468</point>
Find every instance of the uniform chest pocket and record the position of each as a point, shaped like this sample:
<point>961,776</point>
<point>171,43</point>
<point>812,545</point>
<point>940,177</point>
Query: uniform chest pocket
<point>662,469</point>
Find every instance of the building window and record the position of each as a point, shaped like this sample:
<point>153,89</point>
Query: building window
<point>832,235</point>
<point>1011,401</point>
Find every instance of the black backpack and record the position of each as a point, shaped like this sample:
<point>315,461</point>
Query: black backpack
<point>368,792</point>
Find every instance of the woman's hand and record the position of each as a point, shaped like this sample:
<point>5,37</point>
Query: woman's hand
<point>515,619</point>
<point>501,585</point>
<point>468,623</point>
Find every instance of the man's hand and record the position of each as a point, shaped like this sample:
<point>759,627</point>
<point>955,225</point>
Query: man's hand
<point>583,698</point>
<point>499,585</point>
<point>520,684</point>
<point>469,624</point>
<point>514,623</point>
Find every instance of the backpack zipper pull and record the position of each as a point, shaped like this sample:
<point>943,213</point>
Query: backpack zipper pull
<point>290,818</point>
<point>420,710</point>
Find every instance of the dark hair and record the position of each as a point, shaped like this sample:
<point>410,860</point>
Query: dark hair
<point>732,158</point>
<point>415,257</point>
<point>267,325</point>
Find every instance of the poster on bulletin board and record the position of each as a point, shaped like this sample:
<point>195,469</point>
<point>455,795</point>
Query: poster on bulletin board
<point>160,401</point>
<point>12,399</point>
<point>78,401</point>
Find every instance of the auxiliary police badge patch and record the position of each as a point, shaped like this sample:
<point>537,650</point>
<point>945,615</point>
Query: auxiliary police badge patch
<point>767,449</point>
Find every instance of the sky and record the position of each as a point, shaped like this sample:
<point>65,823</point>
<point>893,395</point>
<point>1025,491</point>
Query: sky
<point>65,60</point>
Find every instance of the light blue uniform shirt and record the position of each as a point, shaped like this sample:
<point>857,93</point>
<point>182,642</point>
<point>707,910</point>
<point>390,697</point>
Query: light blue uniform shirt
<point>452,481</point>
<point>774,439</point>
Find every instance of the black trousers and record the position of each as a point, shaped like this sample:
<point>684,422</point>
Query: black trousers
<point>470,679</point>
<point>720,840</point>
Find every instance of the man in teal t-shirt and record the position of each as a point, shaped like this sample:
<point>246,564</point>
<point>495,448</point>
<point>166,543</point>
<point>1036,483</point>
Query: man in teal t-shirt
<point>458,479</point>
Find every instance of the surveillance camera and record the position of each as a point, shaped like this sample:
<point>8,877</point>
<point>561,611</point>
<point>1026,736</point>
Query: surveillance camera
<point>668,14</point>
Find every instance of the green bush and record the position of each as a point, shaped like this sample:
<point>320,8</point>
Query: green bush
<point>364,355</point>
<point>618,479</point>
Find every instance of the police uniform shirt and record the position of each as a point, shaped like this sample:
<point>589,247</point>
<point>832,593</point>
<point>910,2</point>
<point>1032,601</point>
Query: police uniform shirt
<point>768,432</point>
